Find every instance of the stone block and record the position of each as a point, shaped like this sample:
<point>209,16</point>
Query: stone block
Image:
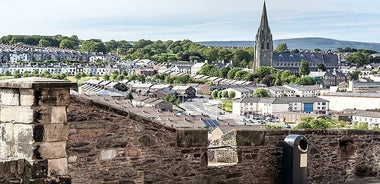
<point>24,150</point>
<point>59,114</point>
<point>10,97</point>
<point>4,150</point>
<point>23,133</point>
<point>20,114</point>
<point>54,96</point>
<point>107,154</point>
<point>52,150</point>
<point>27,97</point>
<point>192,137</point>
<point>250,138</point>
<point>56,132</point>
<point>57,167</point>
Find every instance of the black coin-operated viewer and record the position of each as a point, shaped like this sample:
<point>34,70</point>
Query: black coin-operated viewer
<point>295,159</point>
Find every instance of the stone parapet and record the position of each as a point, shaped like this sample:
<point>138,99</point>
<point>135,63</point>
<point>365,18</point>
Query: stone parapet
<point>33,123</point>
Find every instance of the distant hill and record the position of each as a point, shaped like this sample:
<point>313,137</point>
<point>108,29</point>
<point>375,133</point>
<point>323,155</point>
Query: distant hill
<point>301,43</point>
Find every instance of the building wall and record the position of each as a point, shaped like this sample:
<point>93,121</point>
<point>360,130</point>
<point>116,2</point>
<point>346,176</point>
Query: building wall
<point>108,145</point>
<point>371,121</point>
<point>339,103</point>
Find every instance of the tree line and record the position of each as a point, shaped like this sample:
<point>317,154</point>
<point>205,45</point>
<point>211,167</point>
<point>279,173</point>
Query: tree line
<point>264,74</point>
<point>162,51</point>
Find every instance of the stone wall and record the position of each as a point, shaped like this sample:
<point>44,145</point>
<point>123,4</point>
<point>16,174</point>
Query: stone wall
<point>34,129</point>
<point>109,145</point>
<point>103,143</point>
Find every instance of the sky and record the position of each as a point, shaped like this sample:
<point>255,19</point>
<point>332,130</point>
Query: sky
<point>197,20</point>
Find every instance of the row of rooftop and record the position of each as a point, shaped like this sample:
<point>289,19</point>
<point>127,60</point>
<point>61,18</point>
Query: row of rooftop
<point>28,53</point>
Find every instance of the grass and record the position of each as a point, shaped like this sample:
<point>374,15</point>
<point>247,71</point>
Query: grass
<point>227,105</point>
<point>80,81</point>
<point>6,77</point>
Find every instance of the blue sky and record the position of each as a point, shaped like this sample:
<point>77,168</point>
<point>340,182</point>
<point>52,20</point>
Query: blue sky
<point>197,20</point>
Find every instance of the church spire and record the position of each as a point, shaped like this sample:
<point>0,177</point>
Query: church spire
<point>264,19</point>
<point>264,42</point>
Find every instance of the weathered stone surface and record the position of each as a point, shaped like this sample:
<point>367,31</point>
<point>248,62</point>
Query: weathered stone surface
<point>56,132</point>
<point>250,138</point>
<point>192,137</point>
<point>52,150</point>
<point>20,114</point>
<point>36,83</point>
<point>27,97</point>
<point>55,97</point>
<point>160,155</point>
<point>57,167</point>
<point>10,97</point>
<point>33,127</point>
<point>58,114</point>
<point>107,154</point>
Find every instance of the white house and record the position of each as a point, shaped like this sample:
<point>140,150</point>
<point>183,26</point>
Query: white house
<point>241,92</point>
<point>361,101</point>
<point>195,68</point>
<point>280,91</point>
<point>272,106</point>
<point>245,106</point>
<point>369,117</point>
<point>305,91</point>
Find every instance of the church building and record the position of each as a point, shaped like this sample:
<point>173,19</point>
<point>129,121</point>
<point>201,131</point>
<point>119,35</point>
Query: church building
<point>264,55</point>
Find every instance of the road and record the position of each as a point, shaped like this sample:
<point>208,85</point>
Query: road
<point>197,106</point>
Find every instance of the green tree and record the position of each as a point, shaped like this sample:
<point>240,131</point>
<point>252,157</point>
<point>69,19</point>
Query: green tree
<point>214,94</point>
<point>263,71</point>
<point>220,94</point>
<point>44,43</point>
<point>36,73</point>
<point>231,73</point>
<point>231,94</point>
<point>223,72</point>
<point>312,123</point>
<point>282,47</point>
<point>93,45</point>
<point>170,98</point>
<point>361,126</point>
<point>354,75</point>
<point>17,74</point>
<point>241,58</point>
<point>209,70</point>
<point>305,81</point>
<point>260,92</point>
<point>68,44</point>
<point>129,96</point>
<point>7,73</point>
<point>304,68</point>
<point>46,74</point>
<point>78,75</point>
<point>225,94</point>
<point>361,58</point>
<point>106,77</point>
<point>25,74</point>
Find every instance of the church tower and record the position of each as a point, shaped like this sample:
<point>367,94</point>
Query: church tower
<point>264,43</point>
